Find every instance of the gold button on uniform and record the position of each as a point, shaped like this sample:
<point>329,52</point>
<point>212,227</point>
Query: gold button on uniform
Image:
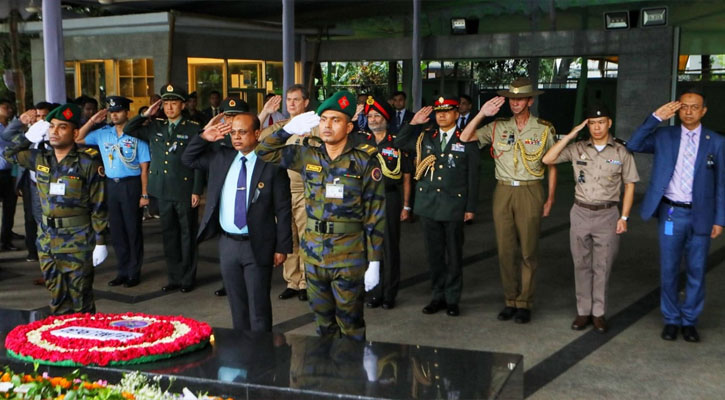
<point>164,171</point>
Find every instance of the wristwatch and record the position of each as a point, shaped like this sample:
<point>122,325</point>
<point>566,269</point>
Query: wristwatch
<point>406,208</point>
<point>144,196</point>
<point>623,217</point>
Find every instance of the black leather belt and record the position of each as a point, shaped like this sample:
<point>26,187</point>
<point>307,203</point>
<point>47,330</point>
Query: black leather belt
<point>676,203</point>
<point>240,237</point>
<point>127,178</point>
<point>595,207</point>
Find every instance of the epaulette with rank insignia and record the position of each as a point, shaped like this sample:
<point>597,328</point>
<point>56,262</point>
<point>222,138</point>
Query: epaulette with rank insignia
<point>191,121</point>
<point>620,141</point>
<point>160,119</point>
<point>92,152</point>
<point>312,141</point>
<point>371,150</point>
<point>544,122</point>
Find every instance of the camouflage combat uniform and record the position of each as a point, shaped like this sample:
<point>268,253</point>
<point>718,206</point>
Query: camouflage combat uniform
<point>343,234</point>
<point>72,223</point>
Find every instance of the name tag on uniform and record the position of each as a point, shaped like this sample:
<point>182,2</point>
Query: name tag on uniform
<point>615,162</point>
<point>57,189</point>
<point>581,163</point>
<point>458,147</point>
<point>334,190</point>
<point>313,168</point>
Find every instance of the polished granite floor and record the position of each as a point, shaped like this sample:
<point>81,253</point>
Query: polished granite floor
<point>629,362</point>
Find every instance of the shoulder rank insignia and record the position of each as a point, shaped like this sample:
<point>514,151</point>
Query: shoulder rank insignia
<point>91,151</point>
<point>543,122</point>
<point>371,150</point>
<point>191,121</point>
<point>620,141</point>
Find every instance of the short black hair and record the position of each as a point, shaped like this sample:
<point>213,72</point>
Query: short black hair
<point>695,90</point>
<point>216,92</point>
<point>256,124</point>
<point>400,93</point>
<point>301,88</point>
<point>467,97</point>
<point>6,101</point>
<point>44,105</point>
<point>83,100</point>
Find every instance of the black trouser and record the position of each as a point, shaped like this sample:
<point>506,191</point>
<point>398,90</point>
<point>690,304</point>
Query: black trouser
<point>31,227</point>
<point>445,238</point>
<point>387,289</point>
<point>122,198</point>
<point>9,199</point>
<point>179,224</point>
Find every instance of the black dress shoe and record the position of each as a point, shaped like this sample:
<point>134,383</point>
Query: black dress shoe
<point>689,333</point>
<point>119,280</point>
<point>132,282</point>
<point>523,316</point>
<point>31,257</point>
<point>221,292</point>
<point>669,332</point>
<point>170,288</point>
<point>434,307</point>
<point>453,310</point>
<point>8,247</point>
<point>374,302</point>
<point>303,295</point>
<point>507,313</point>
<point>288,294</point>
<point>16,236</point>
<point>186,289</point>
<point>388,304</point>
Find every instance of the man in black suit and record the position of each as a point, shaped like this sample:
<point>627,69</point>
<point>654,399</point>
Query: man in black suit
<point>465,104</point>
<point>402,116</point>
<point>248,203</point>
<point>214,109</point>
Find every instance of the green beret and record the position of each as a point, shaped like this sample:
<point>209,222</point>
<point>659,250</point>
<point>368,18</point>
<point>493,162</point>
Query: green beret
<point>173,92</point>
<point>232,105</point>
<point>69,112</point>
<point>342,101</point>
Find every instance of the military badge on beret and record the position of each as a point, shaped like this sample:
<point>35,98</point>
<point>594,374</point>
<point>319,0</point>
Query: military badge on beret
<point>67,113</point>
<point>343,102</point>
<point>370,101</point>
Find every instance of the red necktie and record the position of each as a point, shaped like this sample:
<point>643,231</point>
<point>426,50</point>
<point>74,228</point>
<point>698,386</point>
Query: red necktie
<point>271,121</point>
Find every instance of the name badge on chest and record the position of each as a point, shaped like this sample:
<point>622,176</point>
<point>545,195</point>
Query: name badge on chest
<point>334,190</point>
<point>458,147</point>
<point>57,189</point>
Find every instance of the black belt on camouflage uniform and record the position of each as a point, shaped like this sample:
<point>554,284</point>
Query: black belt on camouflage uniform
<point>333,227</point>
<point>66,222</point>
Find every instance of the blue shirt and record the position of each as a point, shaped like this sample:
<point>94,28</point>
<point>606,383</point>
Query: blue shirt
<point>229,193</point>
<point>121,155</point>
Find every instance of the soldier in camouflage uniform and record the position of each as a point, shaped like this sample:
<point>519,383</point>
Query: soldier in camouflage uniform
<point>345,206</point>
<point>71,191</point>
<point>177,187</point>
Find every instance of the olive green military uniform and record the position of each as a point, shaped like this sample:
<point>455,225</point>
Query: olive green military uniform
<point>593,236</point>
<point>173,184</point>
<point>345,224</point>
<point>74,220</point>
<point>294,268</point>
<point>518,199</point>
<point>446,189</point>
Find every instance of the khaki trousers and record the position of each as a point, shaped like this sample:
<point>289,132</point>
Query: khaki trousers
<point>594,246</point>
<point>294,269</point>
<point>517,219</point>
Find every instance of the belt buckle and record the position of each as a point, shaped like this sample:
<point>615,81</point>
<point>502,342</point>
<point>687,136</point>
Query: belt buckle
<point>50,222</point>
<point>515,183</point>
<point>321,226</point>
<point>116,180</point>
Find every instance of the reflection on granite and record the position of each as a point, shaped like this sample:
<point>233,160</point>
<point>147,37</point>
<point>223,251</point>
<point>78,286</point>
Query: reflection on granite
<point>255,365</point>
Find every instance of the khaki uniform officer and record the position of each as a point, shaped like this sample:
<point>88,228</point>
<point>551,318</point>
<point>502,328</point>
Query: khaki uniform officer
<point>176,186</point>
<point>600,166</point>
<point>517,145</point>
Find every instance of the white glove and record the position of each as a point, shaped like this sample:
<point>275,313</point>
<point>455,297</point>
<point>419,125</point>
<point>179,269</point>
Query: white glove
<point>99,254</point>
<point>38,131</point>
<point>370,363</point>
<point>372,275</point>
<point>302,123</point>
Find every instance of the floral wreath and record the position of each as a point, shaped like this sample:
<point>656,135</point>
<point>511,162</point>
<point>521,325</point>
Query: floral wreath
<point>106,339</point>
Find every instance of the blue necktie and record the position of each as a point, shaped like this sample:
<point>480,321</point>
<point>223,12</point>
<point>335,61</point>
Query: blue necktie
<point>240,202</point>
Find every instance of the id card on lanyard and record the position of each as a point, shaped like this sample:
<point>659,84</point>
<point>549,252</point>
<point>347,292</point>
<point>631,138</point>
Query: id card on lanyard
<point>669,224</point>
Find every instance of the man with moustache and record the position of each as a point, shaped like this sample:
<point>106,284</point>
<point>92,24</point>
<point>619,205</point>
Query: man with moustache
<point>72,235</point>
<point>177,187</point>
<point>446,196</point>
<point>601,164</point>
<point>126,161</point>
<point>248,203</point>
<point>517,146</point>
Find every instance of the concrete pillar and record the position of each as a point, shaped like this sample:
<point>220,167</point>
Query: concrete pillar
<point>288,45</point>
<point>417,82</point>
<point>407,81</point>
<point>53,51</point>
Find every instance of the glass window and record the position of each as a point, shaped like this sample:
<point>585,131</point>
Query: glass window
<point>205,76</point>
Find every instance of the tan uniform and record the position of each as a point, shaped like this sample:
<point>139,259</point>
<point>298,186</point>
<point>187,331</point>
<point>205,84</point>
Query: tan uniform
<point>593,238</point>
<point>518,199</point>
<point>294,269</point>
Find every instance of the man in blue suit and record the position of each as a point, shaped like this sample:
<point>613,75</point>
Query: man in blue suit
<point>687,193</point>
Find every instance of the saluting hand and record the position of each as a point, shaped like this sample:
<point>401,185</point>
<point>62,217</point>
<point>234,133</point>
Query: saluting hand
<point>668,110</point>
<point>28,117</point>
<point>491,107</point>
<point>216,132</point>
<point>153,109</point>
<point>422,116</point>
<point>575,130</point>
<point>217,119</point>
<point>272,104</point>
<point>358,109</point>
<point>99,117</point>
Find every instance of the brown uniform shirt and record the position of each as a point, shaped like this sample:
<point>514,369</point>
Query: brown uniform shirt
<point>599,174</point>
<point>295,179</point>
<point>507,142</point>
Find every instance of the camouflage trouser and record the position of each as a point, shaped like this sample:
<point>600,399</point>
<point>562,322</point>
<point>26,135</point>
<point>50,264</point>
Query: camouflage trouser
<point>336,296</point>
<point>69,278</point>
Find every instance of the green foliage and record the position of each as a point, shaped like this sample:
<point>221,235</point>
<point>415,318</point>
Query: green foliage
<point>499,72</point>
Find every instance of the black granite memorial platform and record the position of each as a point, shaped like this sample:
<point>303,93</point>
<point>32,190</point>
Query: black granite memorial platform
<point>249,365</point>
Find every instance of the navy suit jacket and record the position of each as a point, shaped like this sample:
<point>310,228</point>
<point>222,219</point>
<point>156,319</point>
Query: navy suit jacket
<point>708,188</point>
<point>393,126</point>
<point>269,215</point>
